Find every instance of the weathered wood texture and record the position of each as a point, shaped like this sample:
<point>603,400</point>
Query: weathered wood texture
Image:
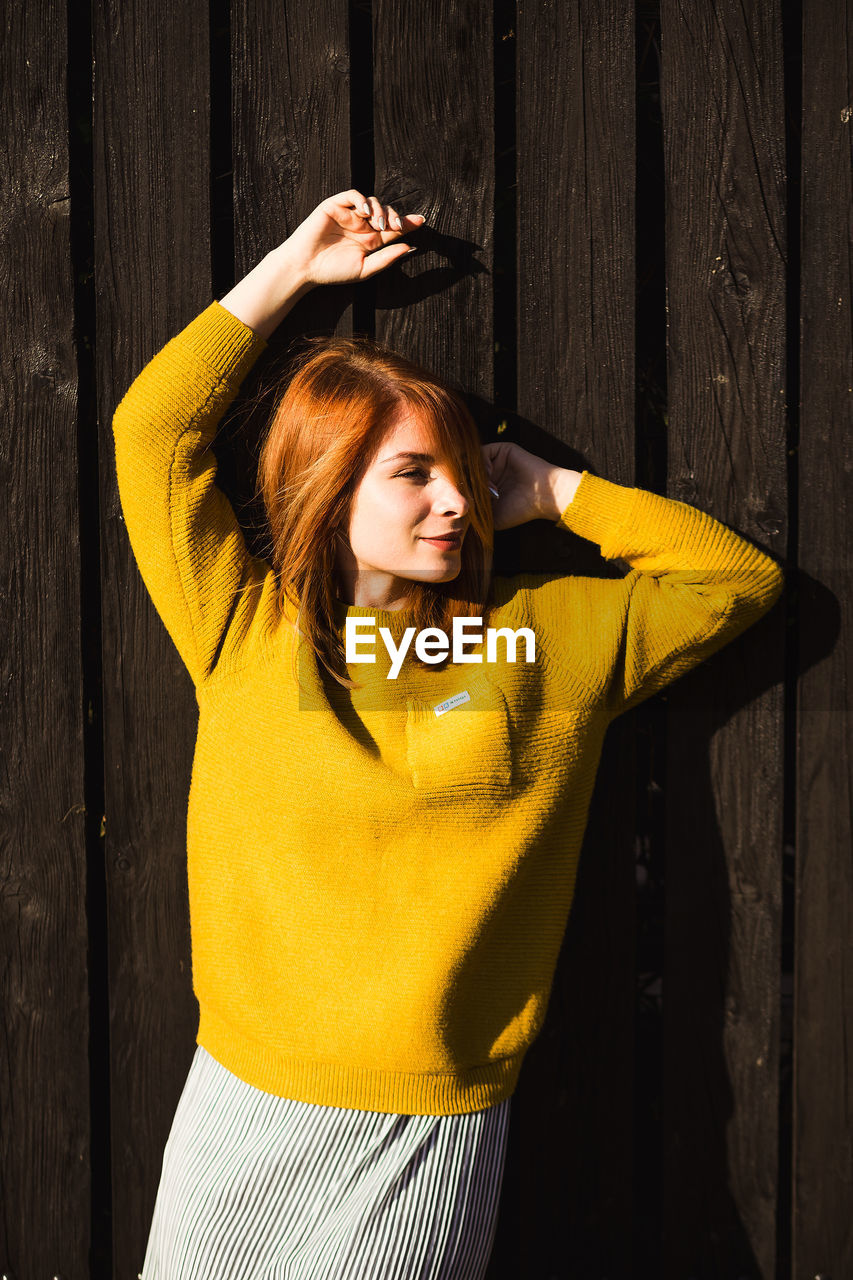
<point>216,129</point>
<point>152,275</point>
<point>570,1167</point>
<point>725,269</point>
<point>432,118</point>
<point>290,148</point>
<point>823,1026</point>
<point>44,1096</point>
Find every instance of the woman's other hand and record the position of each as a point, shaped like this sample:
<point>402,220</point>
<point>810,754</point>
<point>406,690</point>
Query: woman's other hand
<point>349,237</point>
<point>529,488</point>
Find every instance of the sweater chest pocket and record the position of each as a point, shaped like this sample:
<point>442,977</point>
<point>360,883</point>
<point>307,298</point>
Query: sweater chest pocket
<point>460,745</point>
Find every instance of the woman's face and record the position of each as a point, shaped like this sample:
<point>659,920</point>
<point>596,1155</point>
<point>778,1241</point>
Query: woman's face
<point>400,504</point>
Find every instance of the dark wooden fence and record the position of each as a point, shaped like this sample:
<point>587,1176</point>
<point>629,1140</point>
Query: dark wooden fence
<point>638,255</point>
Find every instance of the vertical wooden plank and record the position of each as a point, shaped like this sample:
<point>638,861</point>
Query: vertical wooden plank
<point>44,1097</point>
<point>432,112</point>
<point>823,1009</point>
<point>572,1169</point>
<point>152,276</point>
<point>725,233</point>
<point>290,77</point>
<point>290,72</point>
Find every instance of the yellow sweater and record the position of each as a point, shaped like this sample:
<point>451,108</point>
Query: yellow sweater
<point>378,893</point>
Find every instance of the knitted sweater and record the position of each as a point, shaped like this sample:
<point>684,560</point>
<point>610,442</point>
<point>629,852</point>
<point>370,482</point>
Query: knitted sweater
<point>379,890</point>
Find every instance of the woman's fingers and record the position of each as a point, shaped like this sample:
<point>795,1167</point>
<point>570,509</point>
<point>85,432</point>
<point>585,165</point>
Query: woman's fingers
<point>501,462</point>
<point>380,244</point>
<point>372,208</point>
<point>377,216</point>
<point>383,258</point>
<point>492,452</point>
<point>398,224</point>
<point>354,200</point>
<point>383,218</point>
<point>345,209</point>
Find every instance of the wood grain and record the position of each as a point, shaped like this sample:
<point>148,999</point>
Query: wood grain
<point>44,1099</point>
<point>725,269</point>
<point>823,1028</point>
<point>409,102</point>
<point>571,1140</point>
<point>152,275</point>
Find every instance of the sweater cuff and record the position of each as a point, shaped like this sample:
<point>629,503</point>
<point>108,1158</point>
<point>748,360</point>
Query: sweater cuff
<point>225,343</point>
<point>599,510</point>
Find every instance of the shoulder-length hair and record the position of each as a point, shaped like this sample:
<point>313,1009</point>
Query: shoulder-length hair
<point>342,395</point>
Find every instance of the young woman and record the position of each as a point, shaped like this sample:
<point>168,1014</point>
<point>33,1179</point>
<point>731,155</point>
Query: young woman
<point>395,756</point>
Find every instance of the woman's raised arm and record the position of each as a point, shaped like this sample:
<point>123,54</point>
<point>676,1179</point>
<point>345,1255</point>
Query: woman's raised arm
<point>346,238</point>
<point>213,597</point>
<point>188,546</point>
<point>694,584</point>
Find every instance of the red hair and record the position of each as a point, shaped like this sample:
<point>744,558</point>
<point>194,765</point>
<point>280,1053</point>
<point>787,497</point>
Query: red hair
<point>342,395</point>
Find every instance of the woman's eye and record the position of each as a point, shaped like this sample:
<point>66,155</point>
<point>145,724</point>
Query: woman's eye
<point>416,471</point>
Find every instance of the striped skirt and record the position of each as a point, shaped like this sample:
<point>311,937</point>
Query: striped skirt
<point>266,1188</point>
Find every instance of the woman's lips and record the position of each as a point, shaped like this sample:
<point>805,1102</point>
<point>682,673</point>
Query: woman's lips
<point>446,542</point>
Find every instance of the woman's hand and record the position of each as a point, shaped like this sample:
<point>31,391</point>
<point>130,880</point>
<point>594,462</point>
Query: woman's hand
<point>348,237</point>
<point>529,488</point>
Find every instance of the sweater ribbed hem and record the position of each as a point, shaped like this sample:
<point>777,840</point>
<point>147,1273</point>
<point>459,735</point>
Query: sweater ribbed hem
<point>598,511</point>
<point>225,343</point>
<point>335,1084</point>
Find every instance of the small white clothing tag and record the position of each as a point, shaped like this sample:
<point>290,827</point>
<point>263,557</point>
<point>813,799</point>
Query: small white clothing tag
<point>450,703</point>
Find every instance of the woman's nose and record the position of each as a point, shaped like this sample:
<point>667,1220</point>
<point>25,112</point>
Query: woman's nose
<point>451,499</point>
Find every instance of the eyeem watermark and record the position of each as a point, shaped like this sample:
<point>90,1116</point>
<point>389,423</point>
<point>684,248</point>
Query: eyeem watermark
<point>432,644</point>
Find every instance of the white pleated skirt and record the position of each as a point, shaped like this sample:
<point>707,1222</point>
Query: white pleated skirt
<point>258,1187</point>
